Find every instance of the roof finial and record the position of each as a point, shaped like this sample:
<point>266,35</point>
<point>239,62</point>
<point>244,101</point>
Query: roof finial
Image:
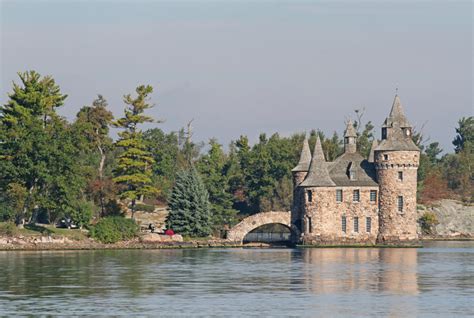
<point>396,90</point>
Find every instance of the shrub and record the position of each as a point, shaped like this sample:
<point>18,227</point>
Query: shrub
<point>8,229</point>
<point>113,229</point>
<point>428,221</point>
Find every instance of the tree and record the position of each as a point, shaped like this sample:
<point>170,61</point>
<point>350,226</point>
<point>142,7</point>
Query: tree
<point>365,135</point>
<point>190,211</point>
<point>93,122</point>
<point>465,134</point>
<point>37,146</point>
<point>213,167</point>
<point>134,163</point>
<point>432,152</point>
<point>165,151</point>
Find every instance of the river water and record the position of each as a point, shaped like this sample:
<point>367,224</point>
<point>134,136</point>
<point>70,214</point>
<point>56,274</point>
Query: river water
<point>435,281</point>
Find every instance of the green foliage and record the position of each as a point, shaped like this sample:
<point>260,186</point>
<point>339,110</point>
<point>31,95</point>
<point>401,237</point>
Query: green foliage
<point>38,148</point>
<point>82,214</point>
<point>133,169</point>
<point>213,167</point>
<point>465,134</point>
<point>190,211</point>
<point>8,229</point>
<point>428,222</point>
<point>114,229</point>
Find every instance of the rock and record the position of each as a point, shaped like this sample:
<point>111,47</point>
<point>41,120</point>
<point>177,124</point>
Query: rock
<point>177,238</point>
<point>455,218</point>
<point>151,238</point>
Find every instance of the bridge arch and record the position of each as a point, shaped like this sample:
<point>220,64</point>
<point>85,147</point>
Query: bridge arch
<point>252,222</point>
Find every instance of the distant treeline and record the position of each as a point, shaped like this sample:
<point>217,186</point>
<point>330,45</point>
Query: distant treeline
<point>51,168</point>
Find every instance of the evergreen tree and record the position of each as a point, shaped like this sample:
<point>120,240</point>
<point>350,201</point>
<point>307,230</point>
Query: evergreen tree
<point>38,149</point>
<point>213,167</point>
<point>133,170</point>
<point>190,211</point>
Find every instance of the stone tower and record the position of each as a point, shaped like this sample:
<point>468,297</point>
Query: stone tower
<point>396,162</point>
<point>299,174</point>
<point>350,138</point>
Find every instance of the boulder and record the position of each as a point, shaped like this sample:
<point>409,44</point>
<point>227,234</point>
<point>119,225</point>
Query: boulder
<point>151,238</point>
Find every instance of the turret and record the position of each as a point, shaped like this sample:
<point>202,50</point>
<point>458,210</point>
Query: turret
<point>396,161</point>
<point>299,172</point>
<point>350,138</point>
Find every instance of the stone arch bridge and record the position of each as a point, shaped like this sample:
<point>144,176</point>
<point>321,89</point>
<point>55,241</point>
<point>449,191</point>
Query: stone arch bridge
<point>250,223</point>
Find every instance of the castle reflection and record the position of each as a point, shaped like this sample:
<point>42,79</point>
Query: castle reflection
<point>344,270</point>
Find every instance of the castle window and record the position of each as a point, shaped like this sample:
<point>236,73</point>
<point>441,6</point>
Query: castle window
<point>384,133</point>
<point>400,204</point>
<point>310,195</point>
<point>344,224</point>
<point>373,195</point>
<point>356,224</point>
<point>385,157</point>
<point>400,175</point>
<point>356,196</point>
<point>352,175</point>
<point>310,225</point>
<point>368,224</point>
<point>338,195</point>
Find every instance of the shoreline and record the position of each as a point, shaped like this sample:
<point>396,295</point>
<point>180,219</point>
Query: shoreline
<point>137,245</point>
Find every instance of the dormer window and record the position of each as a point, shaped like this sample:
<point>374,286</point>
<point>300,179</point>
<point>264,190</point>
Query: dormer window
<point>384,133</point>
<point>352,175</point>
<point>351,171</point>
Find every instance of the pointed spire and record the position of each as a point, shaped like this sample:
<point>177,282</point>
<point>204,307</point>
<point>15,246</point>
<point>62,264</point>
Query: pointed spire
<point>318,175</point>
<point>375,143</point>
<point>350,131</point>
<point>305,157</point>
<point>397,115</point>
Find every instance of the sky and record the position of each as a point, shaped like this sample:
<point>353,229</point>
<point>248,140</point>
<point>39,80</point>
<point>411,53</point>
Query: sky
<point>247,67</point>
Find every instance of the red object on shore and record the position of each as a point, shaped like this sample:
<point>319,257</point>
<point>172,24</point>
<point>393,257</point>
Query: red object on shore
<point>169,232</point>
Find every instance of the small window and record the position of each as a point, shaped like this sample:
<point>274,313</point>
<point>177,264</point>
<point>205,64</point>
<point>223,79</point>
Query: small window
<point>356,224</point>
<point>385,157</point>
<point>400,175</point>
<point>310,225</point>
<point>368,224</point>
<point>373,195</point>
<point>338,195</point>
<point>344,224</point>
<point>310,196</point>
<point>352,175</point>
<point>384,133</point>
<point>400,204</point>
<point>356,196</point>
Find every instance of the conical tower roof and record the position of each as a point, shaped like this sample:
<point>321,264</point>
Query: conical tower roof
<point>305,157</point>
<point>318,175</point>
<point>397,115</point>
<point>350,130</point>
<point>375,143</point>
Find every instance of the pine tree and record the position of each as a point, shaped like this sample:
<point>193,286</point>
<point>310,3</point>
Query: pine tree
<point>213,167</point>
<point>190,212</point>
<point>134,163</point>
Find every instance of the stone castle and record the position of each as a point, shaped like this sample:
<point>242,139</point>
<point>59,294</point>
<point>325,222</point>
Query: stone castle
<point>354,200</point>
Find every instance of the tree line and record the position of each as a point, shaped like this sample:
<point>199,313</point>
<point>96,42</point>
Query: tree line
<point>51,168</point>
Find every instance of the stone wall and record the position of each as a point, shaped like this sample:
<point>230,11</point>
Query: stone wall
<point>396,226</point>
<point>322,223</point>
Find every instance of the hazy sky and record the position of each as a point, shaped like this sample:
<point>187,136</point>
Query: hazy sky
<point>245,67</point>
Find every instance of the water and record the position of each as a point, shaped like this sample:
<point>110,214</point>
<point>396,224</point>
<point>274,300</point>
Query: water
<point>437,280</point>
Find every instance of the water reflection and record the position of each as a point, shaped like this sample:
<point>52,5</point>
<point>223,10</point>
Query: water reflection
<point>329,271</point>
<point>240,282</point>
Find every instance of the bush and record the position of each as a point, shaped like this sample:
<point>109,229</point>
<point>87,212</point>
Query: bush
<point>113,229</point>
<point>8,229</point>
<point>428,221</point>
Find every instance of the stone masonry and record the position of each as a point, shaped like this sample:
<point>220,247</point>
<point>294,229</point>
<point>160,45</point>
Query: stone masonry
<point>357,200</point>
